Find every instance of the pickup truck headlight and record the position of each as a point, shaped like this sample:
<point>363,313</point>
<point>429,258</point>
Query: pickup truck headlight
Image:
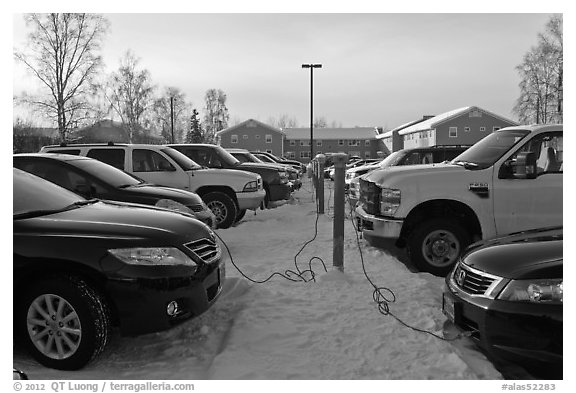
<point>547,291</point>
<point>153,256</point>
<point>389,201</point>
<point>251,186</point>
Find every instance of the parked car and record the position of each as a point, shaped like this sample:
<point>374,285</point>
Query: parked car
<point>226,191</point>
<point>508,182</point>
<point>420,155</point>
<point>82,266</point>
<point>269,157</point>
<point>91,178</point>
<point>244,155</point>
<point>508,292</point>
<point>275,179</point>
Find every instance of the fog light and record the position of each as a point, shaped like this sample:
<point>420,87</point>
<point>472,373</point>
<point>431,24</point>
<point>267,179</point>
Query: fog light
<point>172,308</point>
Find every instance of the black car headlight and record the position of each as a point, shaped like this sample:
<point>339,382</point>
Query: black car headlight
<point>544,291</point>
<point>153,256</point>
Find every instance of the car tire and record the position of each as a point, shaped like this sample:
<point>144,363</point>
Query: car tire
<point>241,214</point>
<point>63,322</point>
<point>436,245</point>
<point>223,208</point>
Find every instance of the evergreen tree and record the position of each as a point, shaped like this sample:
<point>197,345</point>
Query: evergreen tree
<point>195,134</point>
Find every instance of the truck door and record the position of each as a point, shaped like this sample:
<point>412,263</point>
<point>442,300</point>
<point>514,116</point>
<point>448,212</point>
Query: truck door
<point>156,168</point>
<point>521,204</point>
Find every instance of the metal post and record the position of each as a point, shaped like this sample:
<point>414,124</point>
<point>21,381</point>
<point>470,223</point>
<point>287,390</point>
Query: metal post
<point>311,66</point>
<point>340,160</point>
<point>320,158</point>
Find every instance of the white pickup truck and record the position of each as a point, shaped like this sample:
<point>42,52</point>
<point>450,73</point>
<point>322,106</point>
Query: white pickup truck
<point>508,182</point>
<point>227,192</point>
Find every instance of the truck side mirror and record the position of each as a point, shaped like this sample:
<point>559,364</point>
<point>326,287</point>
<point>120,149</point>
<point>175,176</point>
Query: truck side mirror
<point>526,166</point>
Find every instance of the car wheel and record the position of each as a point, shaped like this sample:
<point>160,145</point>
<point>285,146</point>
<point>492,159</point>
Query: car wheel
<point>63,322</point>
<point>240,215</point>
<point>436,245</point>
<point>223,208</point>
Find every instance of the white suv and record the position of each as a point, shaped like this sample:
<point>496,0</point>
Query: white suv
<point>227,192</point>
<point>508,182</point>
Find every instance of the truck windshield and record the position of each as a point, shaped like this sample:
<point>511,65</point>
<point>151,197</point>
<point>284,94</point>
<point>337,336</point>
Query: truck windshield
<point>185,163</point>
<point>489,150</point>
<point>227,157</point>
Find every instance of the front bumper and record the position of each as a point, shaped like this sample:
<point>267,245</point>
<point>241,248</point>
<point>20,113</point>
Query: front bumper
<point>141,303</point>
<point>525,333</point>
<point>250,200</point>
<point>378,226</point>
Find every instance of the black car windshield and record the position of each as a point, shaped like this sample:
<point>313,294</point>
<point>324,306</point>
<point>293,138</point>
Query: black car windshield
<point>107,173</point>
<point>34,194</point>
<point>184,162</point>
<point>227,157</point>
<point>392,159</point>
<point>489,150</point>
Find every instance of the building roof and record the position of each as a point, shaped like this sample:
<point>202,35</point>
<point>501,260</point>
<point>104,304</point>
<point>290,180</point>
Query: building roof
<point>248,123</point>
<point>332,133</point>
<point>433,122</point>
<point>388,134</point>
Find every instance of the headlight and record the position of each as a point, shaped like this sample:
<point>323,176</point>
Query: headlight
<point>173,205</point>
<point>548,291</point>
<point>251,186</point>
<point>389,201</point>
<point>152,256</point>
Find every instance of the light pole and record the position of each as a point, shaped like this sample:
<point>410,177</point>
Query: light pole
<point>311,66</point>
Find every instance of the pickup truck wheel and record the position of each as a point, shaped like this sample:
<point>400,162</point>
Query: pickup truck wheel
<point>63,322</point>
<point>223,208</point>
<point>436,245</point>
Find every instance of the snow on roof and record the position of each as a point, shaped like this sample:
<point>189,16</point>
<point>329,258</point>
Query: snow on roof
<point>249,122</point>
<point>332,133</point>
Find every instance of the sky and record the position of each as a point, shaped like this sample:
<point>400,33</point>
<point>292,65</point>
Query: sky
<point>378,69</point>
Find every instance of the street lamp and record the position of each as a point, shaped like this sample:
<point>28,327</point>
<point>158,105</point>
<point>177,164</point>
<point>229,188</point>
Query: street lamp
<point>311,66</point>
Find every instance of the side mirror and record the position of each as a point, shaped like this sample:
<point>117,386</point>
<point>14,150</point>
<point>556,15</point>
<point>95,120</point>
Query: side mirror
<point>526,166</point>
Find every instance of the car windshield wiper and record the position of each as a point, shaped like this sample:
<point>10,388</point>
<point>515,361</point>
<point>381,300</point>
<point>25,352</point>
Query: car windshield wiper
<point>467,164</point>
<point>45,212</point>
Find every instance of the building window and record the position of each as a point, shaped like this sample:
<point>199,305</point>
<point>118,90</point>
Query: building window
<point>290,154</point>
<point>482,129</point>
<point>268,151</point>
<point>318,152</point>
<point>366,154</point>
<point>340,142</point>
<point>292,143</point>
<point>353,142</point>
<point>244,136</point>
<point>367,142</point>
<point>268,138</point>
<point>466,129</point>
<point>453,132</point>
<point>257,136</point>
<point>495,128</point>
<point>233,138</point>
<point>305,143</point>
<point>304,154</point>
<point>353,153</point>
<point>318,143</point>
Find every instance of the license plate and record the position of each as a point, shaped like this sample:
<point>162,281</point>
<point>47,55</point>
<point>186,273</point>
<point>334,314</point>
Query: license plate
<point>448,307</point>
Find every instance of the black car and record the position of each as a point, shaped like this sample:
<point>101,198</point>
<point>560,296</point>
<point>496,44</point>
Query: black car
<point>275,179</point>
<point>269,157</point>
<point>82,266</point>
<point>508,293</point>
<point>91,178</point>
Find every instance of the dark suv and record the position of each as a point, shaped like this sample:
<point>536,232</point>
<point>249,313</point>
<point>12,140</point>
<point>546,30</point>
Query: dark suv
<point>508,294</point>
<point>274,178</point>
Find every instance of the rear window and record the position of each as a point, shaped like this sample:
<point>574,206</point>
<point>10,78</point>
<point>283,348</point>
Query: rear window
<point>114,157</point>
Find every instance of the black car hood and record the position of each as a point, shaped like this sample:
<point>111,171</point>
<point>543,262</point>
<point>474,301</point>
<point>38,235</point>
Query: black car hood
<point>149,190</point>
<point>115,221</point>
<point>524,255</point>
<point>257,165</point>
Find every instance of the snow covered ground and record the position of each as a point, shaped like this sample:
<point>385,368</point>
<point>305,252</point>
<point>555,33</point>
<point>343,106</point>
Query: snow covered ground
<point>328,328</point>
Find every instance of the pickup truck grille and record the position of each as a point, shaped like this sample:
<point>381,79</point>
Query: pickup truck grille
<point>205,249</point>
<point>370,197</point>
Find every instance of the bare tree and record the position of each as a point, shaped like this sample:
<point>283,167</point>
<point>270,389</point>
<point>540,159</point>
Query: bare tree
<point>130,95</point>
<point>215,113</point>
<point>320,122</point>
<point>541,73</point>
<point>62,54</point>
<point>173,102</point>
